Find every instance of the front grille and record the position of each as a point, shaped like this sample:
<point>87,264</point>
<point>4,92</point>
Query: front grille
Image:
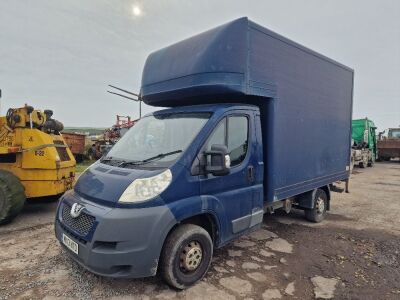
<point>71,233</point>
<point>82,224</point>
<point>62,151</point>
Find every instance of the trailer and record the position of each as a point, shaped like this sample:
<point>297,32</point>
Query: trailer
<point>76,143</point>
<point>256,122</point>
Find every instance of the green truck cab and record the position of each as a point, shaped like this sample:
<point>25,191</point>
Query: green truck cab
<point>364,150</point>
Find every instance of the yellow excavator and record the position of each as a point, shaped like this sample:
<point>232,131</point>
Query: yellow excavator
<point>34,159</point>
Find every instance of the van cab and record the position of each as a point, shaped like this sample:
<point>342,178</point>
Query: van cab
<point>199,165</point>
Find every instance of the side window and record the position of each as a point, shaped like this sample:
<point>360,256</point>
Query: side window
<point>236,138</point>
<point>218,135</point>
<point>238,127</point>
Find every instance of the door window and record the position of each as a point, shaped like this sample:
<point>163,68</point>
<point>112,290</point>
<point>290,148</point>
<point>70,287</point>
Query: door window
<point>218,136</point>
<point>236,138</point>
<point>238,127</point>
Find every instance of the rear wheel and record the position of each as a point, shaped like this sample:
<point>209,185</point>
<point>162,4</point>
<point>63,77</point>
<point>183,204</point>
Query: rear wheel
<point>318,213</point>
<point>12,196</point>
<point>186,256</point>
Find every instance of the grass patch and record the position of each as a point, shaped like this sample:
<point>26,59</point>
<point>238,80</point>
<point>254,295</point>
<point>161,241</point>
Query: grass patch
<point>83,165</point>
<point>84,130</point>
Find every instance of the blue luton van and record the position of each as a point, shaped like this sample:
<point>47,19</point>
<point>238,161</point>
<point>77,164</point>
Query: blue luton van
<point>256,122</point>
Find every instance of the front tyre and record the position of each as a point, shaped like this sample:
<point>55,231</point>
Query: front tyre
<point>318,213</point>
<point>186,256</point>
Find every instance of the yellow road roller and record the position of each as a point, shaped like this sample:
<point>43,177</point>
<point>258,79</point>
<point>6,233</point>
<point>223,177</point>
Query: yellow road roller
<point>34,159</point>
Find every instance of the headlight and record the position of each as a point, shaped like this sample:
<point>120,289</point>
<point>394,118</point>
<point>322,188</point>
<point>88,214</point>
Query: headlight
<point>146,188</point>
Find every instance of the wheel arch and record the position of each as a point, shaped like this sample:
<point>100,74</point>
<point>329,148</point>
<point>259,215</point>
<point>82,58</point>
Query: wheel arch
<point>327,190</point>
<point>307,199</point>
<point>206,219</point>
<point>204,211</point>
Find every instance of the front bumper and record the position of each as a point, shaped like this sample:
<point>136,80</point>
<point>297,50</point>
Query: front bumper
<point>121,242</point>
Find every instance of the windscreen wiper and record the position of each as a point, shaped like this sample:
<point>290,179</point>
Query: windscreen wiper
<point>161,155</point>
<point>111,161</point>
<point>109,158</point>
<point>144,161</point>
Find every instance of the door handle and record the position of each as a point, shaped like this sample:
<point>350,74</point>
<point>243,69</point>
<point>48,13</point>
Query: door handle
<point>250,173</point>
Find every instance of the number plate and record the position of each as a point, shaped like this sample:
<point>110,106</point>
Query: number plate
<point>70,244</point>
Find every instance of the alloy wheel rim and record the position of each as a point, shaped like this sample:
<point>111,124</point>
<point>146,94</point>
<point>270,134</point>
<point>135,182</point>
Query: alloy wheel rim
<point>320,205</point>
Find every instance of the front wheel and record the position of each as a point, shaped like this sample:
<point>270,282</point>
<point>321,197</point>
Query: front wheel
<point>363,163</point>
<point>186,256</point>
<point>371,163</point>
<point>318,213</point>
<point>12,196</point>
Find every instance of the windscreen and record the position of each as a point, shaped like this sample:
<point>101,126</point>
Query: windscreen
<point>157,140</point>
<point>394,133</point>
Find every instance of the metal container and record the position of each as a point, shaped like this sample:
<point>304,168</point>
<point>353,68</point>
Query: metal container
<point>75,142</point>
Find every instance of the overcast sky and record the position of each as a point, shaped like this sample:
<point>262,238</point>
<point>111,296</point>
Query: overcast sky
<point>61,54</point>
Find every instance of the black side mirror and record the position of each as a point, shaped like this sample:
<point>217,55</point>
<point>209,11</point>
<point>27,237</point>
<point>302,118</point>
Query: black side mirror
<point>220,160</point>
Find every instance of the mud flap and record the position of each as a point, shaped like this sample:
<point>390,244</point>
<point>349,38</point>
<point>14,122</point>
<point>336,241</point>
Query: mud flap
<point>306,200</point>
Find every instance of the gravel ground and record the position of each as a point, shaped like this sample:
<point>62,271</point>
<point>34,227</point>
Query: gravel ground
<point>354,254</point>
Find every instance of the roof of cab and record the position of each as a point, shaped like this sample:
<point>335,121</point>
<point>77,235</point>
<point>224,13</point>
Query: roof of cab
<point>205,108</point>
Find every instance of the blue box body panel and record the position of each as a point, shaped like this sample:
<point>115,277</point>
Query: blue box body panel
<point>305,98</point>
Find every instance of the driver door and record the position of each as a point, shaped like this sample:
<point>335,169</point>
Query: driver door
<point>235,191</point>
